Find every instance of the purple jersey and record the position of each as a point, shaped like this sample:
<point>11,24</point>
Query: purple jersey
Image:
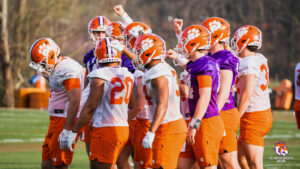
<point>127,63</point>
<point>227,61</point>
<point>90,61</point>
<point>203,66</point>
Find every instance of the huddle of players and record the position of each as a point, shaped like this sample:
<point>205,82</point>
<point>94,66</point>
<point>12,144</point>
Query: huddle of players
<point>129,99</point>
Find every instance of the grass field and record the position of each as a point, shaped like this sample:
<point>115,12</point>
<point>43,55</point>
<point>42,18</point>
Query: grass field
<point>22,133</point>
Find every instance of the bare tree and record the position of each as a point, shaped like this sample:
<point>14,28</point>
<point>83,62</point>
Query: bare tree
<point>8,98</point>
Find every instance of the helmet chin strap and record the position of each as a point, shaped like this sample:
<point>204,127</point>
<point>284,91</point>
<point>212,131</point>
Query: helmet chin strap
<point>148,60</point>
<point>194,49</point>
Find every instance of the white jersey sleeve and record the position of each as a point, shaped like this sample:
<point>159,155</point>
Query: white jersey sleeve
<point>249,65</point>
<point>58,101</point>
<point>113,107</point>
<point>173,112</point>
<point>126,19</point>
<point>258,65</point>
<point>297,82</point>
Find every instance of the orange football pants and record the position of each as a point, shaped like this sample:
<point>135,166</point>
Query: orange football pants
<point>231,119</point>
<point>254,126</point>
<point>167,144</point>
<point>51,150</point>
<point>107,143</point>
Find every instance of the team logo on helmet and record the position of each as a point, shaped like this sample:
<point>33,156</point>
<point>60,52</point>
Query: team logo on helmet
<point>147,44</point>
<point>214,25</point>
<point>193,34</point>
<point>44,49</point>
<point>281,149</point>
<point>242,31</point>
<point>135,31</point>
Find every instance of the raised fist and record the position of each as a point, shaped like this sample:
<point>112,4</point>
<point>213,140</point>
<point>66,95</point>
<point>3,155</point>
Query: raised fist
<point>177,23</point>
<point>171,54</point>
<point>119,10</point>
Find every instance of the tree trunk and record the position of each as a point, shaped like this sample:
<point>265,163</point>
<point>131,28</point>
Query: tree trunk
<point>8,98</point>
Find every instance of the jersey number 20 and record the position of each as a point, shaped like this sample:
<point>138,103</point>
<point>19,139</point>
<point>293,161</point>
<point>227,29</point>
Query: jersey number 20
<point>117,89</point>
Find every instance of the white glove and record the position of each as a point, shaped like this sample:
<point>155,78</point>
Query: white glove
<point>148,140</point>
<point>63,139</point>
<point>116,45</point>
<point>71,140</point>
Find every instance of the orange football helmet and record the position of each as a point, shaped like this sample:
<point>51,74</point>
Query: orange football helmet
<point>115,30</point>
<point>194,37</point>
<point>99,23</point>
<point>44,54</point>
<point>219,29</point>
<point>105,53</point>
<point>148,47</point>
<point>246,36</point>
<point>133,31</point>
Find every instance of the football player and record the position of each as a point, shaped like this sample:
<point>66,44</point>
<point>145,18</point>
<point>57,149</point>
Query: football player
<point>160,80</point>
<point>184,160</point>
<point>66,81</point>
<point>253,96</point>
<point>206,128</point>
<point>297,94</point>
<point>220,33</point>
<point>110,92</point>
<point>142,156</point>
<point>96,29</point>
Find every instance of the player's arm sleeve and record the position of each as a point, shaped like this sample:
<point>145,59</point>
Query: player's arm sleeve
<point>248,66</point>
<point>72,83</point>
<point>69,77</point>
<point>99,73</point>
<point>126,19</point>
<point>204,81</point>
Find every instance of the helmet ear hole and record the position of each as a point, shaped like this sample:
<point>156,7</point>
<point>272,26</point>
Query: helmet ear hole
<point>243,41</point>
<point>215,36</point>
<point>148,54</point>
<point>192,44</point>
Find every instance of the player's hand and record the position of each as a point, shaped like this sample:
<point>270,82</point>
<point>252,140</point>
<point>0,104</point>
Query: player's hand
<point>171,54</point>
<point>117,45</point>
<point>190,139</point>
<point>148,139</point>
<point>177,24</point>
<point>63,139</point>
<point>119,10</point>
<point>71,140</point>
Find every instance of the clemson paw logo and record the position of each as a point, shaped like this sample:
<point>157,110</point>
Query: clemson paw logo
<point>214,25</point>
<point>193,33</point>
<point>135,30</point>
<point>281,149</point>
<point>147,44</point>
<point>44,49</point>
<point>241,32</point>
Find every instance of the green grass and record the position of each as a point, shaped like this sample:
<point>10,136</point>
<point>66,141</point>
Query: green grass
<point>22,133</point>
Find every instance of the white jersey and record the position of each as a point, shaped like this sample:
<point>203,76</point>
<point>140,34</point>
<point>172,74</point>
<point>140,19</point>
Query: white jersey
<point>184,104</point>
<point>58,101</point>
<point>258,66</point>
<point>173,110</point>
<point>113,108</point>
<point>297,82</point>
<point>145,112</point>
